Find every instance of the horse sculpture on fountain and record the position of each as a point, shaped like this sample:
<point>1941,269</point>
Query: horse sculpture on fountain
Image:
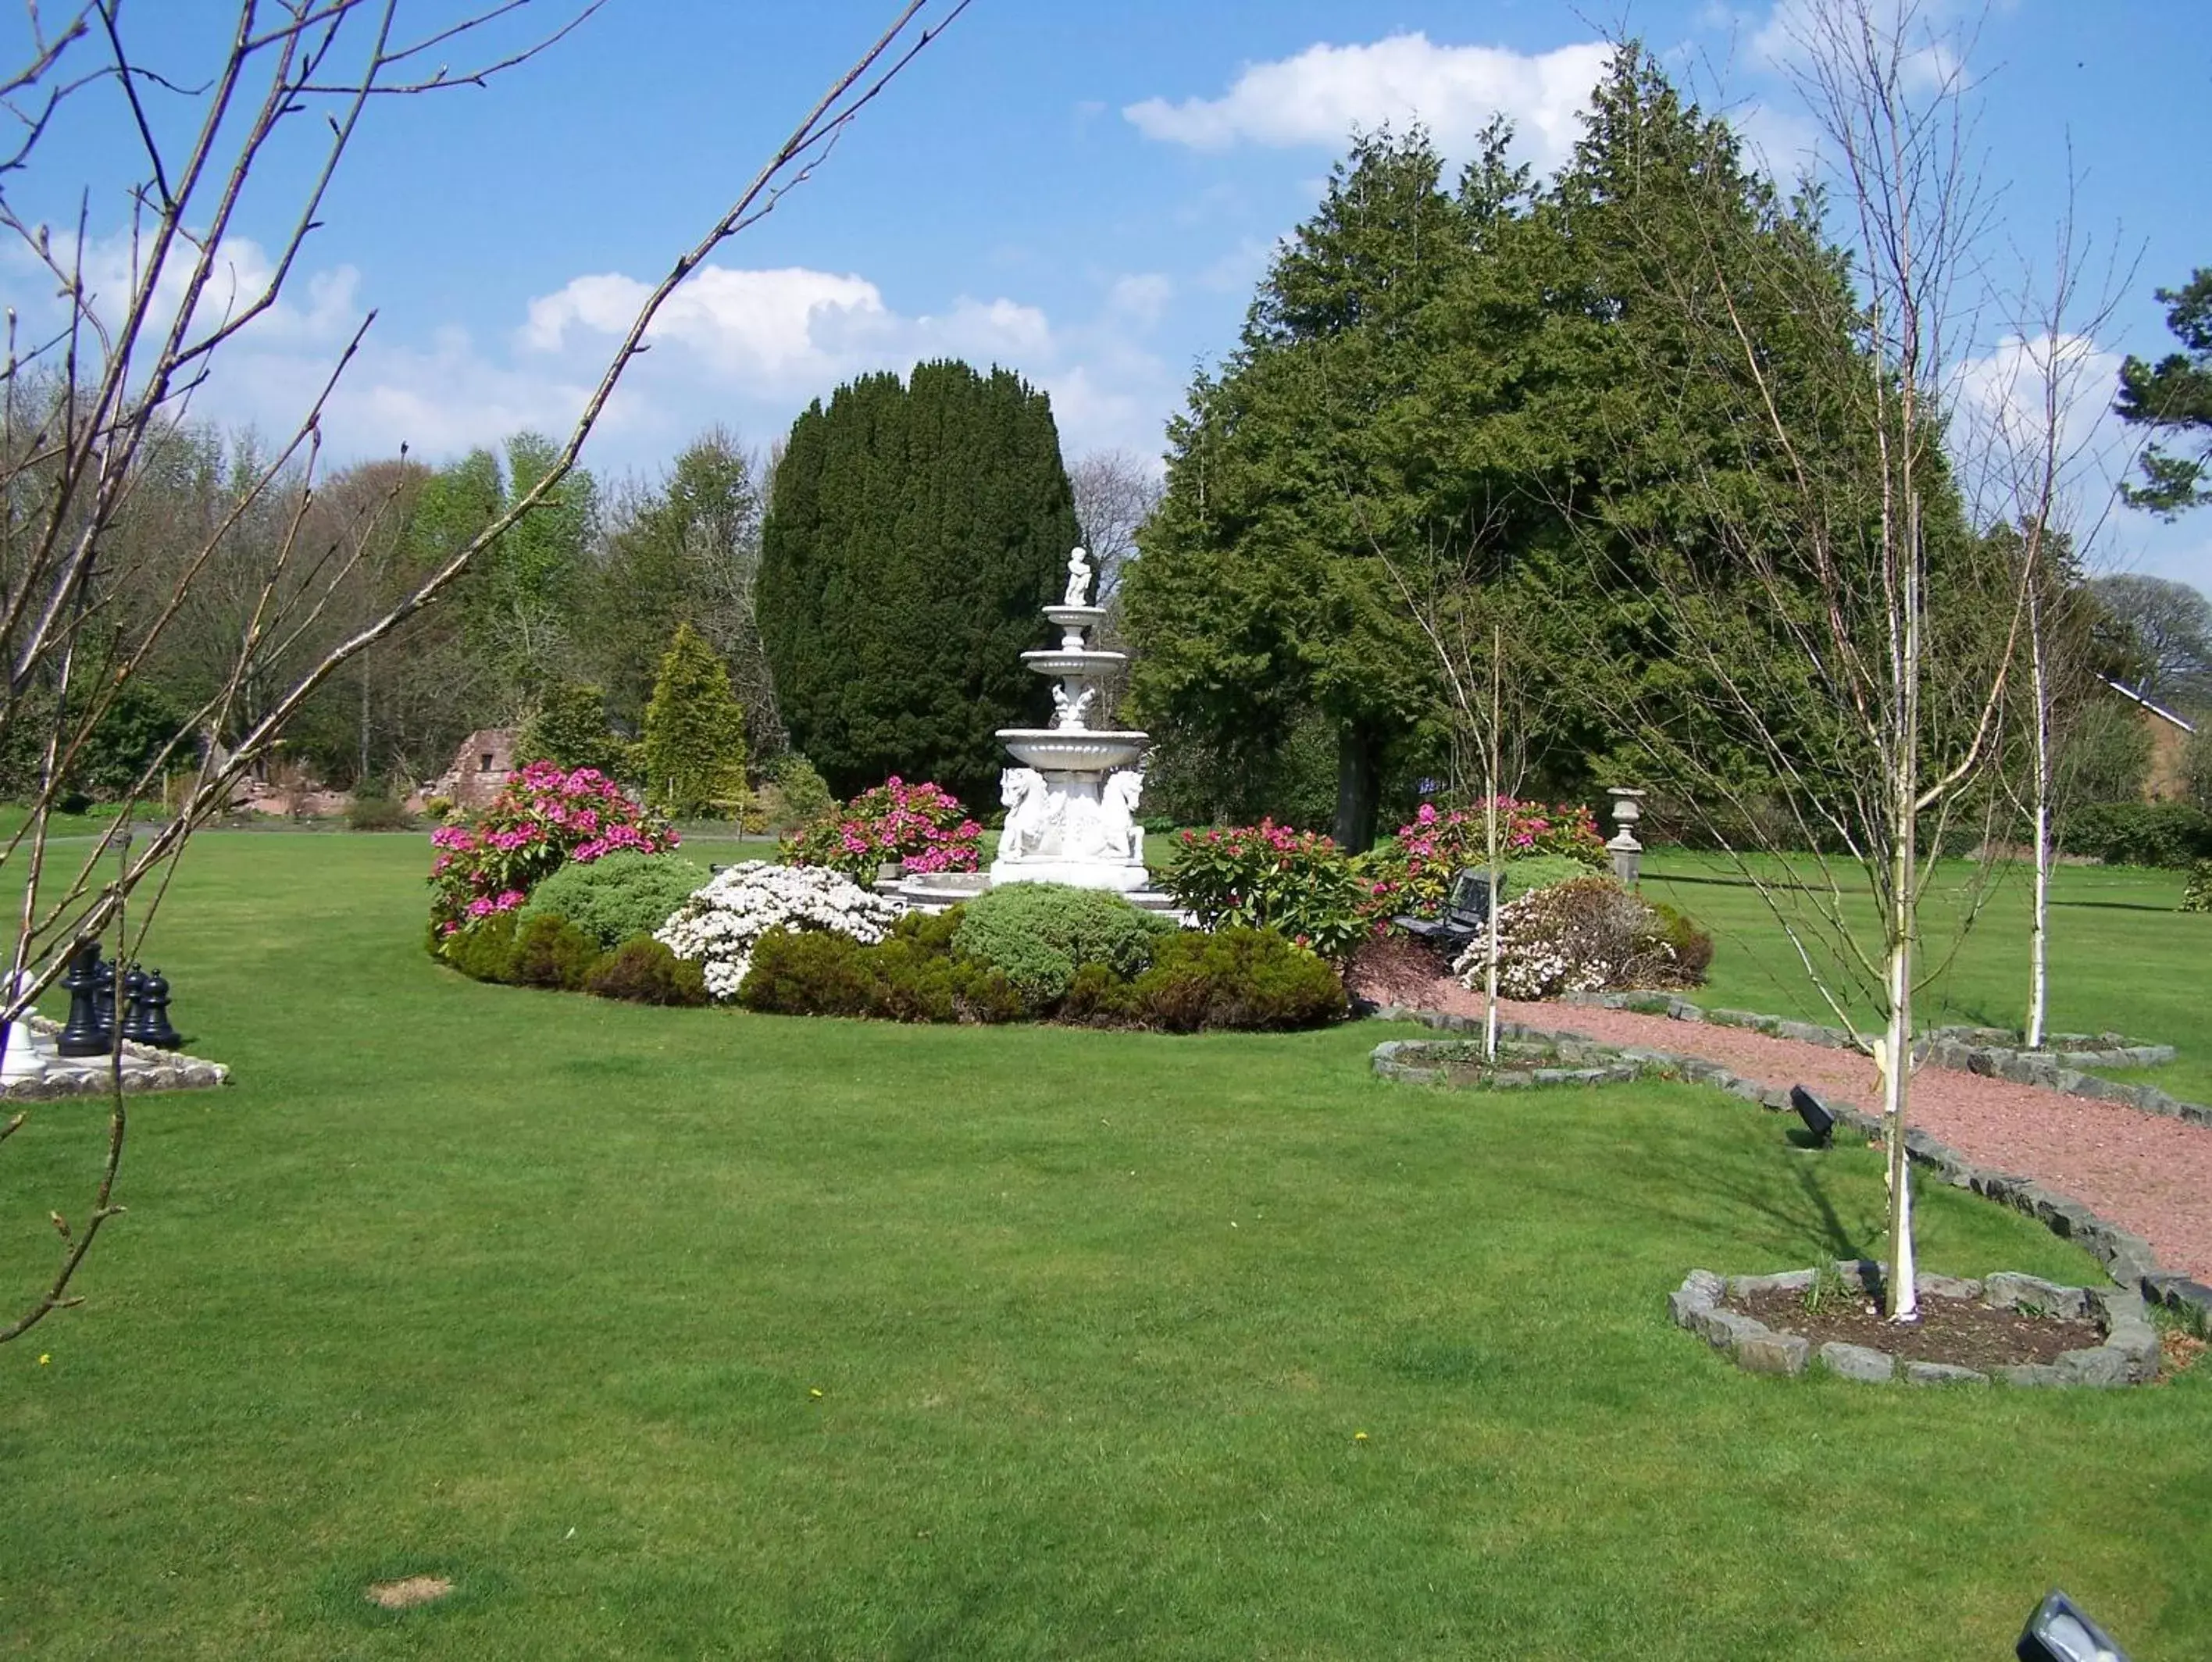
<point>1028,801</point>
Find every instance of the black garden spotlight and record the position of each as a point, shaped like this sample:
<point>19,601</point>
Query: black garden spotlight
<point>2059,1632</point>
<point>1815,1114</point>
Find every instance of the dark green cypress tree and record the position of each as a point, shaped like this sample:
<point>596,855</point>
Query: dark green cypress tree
<point>915,529</point>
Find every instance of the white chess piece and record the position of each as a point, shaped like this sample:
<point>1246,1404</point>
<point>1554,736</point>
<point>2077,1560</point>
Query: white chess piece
<point>25,1057</point>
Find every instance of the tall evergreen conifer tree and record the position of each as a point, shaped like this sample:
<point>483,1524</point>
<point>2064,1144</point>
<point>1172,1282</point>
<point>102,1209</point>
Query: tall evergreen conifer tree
<point>693,754</point>
<point>915,529</point>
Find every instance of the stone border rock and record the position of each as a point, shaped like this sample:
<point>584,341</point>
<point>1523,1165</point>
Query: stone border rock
<point>2126,1255</point>
<point>144,1069</point>
<point>1968,1049</point>
<point>1573,1060</point>
<point>2129,1354</point>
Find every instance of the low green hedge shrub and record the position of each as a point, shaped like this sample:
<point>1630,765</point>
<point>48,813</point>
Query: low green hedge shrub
<point>913,975</point>
<point>378,813</point>
<point>617,896</point>
<point>549,951</point>
<point>1037,934</point>
<point>1247,980</point>
<point>2171,834</point>
<point>484,952</point>
<point>642,971</point>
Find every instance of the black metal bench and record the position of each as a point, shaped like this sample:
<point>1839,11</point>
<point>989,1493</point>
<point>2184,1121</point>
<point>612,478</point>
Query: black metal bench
<point>1466,914</point>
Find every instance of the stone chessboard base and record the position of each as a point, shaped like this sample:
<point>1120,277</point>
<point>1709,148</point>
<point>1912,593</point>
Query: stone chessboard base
<point>144,1069</point>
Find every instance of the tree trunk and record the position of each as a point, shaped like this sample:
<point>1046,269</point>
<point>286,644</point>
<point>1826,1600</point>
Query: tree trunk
<point>2038,978</point>
<point>1357,770</point>
<point>1902,924</point>
<point>1492,773</point>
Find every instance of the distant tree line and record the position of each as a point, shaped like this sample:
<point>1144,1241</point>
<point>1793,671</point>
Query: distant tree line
<point>672,629</point>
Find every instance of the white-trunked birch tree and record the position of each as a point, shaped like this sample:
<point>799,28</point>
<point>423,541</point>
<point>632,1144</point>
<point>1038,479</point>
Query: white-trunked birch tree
<point>2040,472</point>
<point>1847,639</point>
<point>252,134</point>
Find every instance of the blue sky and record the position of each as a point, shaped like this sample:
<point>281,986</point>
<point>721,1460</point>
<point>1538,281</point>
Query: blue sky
<point>1085,193</point>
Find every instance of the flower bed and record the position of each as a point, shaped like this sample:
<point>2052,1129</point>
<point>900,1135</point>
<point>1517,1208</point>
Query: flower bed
<point>544,817</point>
<point>1588,935</point>
<point>721,924</point>
<point>1526,1057</point>
<point>920,828</point>
<point>2089,1335</point>
<point>1267,876</point>
<point>1415,868</point>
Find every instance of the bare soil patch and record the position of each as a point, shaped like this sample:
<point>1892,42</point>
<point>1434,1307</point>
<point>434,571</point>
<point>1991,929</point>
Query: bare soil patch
<point>406,1593</point>
<point>1959,1331</point>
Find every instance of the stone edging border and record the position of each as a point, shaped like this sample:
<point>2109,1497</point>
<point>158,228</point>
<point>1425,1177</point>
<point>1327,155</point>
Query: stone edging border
<point>1970,1050</point>
<point>144,1069</point>
<point>1591,1063</point>
<point>2129,1354</point>
<point>2127,1256</point>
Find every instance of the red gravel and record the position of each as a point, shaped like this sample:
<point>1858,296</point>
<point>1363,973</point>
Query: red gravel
<point>2143,1171</point>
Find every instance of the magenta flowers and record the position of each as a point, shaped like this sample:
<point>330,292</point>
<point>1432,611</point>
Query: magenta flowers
<point>1416,866</point>
<point>544,817</point>
<point>920,828</point>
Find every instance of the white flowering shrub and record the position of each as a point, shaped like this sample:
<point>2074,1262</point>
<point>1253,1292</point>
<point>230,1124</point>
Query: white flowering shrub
<point>719,926</point>
<point>1588,935</point>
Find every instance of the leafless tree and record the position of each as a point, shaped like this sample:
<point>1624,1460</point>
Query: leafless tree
<point>1114,494</point>
<point>87,400</point>
<point>2041,488</point>
<point>1456,598</point>
<point>1857,638</point>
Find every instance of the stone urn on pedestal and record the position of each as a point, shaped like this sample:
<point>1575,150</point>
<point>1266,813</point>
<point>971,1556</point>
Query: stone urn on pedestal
<point>1627,853</point>
<point>1071,797</point>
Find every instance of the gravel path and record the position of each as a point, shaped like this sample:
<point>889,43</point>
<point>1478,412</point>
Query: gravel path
<point>2143,1171</point>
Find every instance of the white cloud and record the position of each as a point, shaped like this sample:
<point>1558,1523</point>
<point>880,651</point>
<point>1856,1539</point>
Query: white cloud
<point>1318,96</point>
<point>1140,298</point>
<point>746,346</point>
<point>2009,398</point>
<point>782,330</point>
<point>1929,33</point>
<point>319,308</point>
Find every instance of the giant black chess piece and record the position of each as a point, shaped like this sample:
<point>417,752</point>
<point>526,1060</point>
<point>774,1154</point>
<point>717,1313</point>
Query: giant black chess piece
<point>133,1023</point>
<point>80,1036</point>
<point>154,1002</point>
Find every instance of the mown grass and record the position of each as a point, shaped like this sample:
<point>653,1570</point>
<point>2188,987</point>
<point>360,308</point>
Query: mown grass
<point>2123,959</point>
<point>536,1292</point>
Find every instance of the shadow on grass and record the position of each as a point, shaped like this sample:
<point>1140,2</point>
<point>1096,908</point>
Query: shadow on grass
<point>1801,1215</point>
<point>2111,905</point>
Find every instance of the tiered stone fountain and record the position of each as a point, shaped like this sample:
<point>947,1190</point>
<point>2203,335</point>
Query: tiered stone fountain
<point>1071,799</point>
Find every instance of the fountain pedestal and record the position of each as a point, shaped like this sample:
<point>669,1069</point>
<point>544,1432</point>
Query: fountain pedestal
<point>1071,798</point>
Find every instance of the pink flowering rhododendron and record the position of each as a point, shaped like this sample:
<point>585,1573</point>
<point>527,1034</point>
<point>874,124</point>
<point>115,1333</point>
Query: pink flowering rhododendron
<point>544,817</point>
<point>920,828</point>
<point>1414,869</point>
<point>1268,876</point>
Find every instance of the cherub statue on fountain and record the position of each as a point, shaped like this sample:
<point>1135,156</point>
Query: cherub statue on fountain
<point>1068,712</point>
<point>1078,580</point>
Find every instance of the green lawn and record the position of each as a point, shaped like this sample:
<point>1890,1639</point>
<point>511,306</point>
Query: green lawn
<point>2122,958</point>
<point>536,1291</point>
